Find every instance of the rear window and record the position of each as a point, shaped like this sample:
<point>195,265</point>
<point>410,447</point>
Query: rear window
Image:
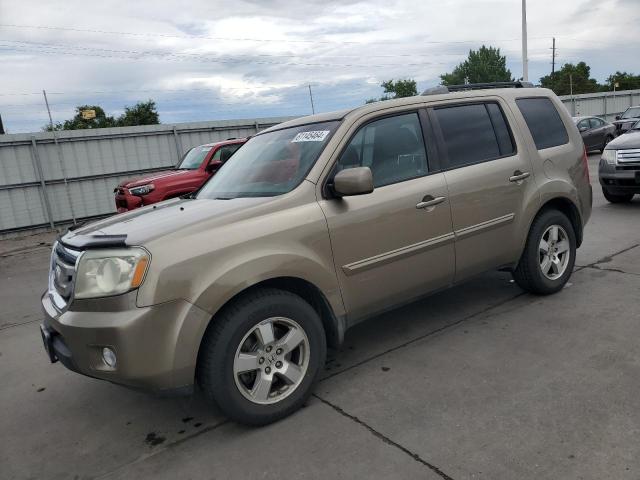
<point>474,133</point>
<point>544,122</point>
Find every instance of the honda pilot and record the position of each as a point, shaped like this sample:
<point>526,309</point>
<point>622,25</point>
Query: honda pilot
<point>313,226</point>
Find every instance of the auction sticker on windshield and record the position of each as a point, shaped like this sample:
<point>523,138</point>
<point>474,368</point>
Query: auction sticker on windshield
<point>312,136</point>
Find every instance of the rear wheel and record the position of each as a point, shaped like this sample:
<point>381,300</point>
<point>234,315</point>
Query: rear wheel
<point>262,355</point>
<point>549,255</point>
<point>617,198</point>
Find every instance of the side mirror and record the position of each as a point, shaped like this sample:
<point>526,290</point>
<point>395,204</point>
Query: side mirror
<point>618,117</point>
<point>353,181</point>
<point>583,129</point>
<point>213,166</point>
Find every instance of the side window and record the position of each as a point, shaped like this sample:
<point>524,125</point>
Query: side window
<point>595,122</point>
<point>583,124</point>
<point>544,122</point>
<point>474,133</point>
<point>393,148</point>
<point>224,153</point>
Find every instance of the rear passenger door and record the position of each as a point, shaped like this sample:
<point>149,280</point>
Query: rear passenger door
<point>597,133</point>
<point>490,183</point>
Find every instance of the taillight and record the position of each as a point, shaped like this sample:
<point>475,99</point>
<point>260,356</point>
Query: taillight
<point>585,160</point>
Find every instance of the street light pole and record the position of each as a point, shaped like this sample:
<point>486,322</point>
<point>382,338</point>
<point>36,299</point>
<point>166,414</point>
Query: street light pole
<point>525,60</point>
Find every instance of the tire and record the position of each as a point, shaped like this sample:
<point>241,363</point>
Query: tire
<point>241,332</point>
<point>617,198</point>
<point>529,274</point>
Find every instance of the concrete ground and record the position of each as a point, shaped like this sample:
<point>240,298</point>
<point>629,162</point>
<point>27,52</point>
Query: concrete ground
<point>481,381</point>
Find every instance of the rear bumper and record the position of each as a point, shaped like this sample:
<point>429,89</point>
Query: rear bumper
<point>156,347</point>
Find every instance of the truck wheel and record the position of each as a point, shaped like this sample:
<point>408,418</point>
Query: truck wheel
<point>549,255</point>
<point>261,357</point>
<point>617,198</point>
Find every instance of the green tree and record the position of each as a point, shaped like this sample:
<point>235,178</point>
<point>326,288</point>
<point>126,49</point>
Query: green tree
<point>482,65</point>
<point>397,89</point>
<point>571,78</point>
<point>625,81</point>
<point>142,113</point>
<point>101,120</point>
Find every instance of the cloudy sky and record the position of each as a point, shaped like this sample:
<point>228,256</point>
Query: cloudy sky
<point>213,59</point>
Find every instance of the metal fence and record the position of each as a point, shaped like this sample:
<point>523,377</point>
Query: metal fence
<point>605,105</point>
<point>48,179</point>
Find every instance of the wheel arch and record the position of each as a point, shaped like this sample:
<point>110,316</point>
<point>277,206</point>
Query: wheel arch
<point>333,323</point>
<point>565,205</point>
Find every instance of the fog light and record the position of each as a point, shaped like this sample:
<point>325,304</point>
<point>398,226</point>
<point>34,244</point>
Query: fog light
<point>109,357</point>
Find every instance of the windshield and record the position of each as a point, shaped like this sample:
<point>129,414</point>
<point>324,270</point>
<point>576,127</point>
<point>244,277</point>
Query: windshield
<point>636,126</point>
<point>271,163</point>
<point>631,112</point>
<point>193,158</point>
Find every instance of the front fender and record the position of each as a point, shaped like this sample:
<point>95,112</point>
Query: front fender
<point>242,275</point>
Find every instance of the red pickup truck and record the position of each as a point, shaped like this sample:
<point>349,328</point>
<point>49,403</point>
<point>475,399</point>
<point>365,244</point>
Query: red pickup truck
<point>195,168</point>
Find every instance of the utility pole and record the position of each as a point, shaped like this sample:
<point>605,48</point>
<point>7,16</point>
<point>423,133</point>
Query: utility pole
<point>571,84</point>
<point>525,60</point>
<point>46,102</point>
<point>313,110</point>
<point>64,173</point>
<point>553,57</point>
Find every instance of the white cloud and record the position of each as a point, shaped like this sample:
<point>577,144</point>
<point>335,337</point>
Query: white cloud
<point>221,59</point>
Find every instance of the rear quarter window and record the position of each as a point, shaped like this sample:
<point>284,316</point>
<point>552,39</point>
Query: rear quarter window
<point>544,122</point>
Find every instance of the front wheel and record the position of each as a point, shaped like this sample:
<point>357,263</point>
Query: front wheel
<point>616,198</point>
<point>261,356</point>
<point>549,255</point>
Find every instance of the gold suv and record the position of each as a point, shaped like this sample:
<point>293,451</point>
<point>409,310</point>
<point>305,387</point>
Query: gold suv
<point>311,227</point>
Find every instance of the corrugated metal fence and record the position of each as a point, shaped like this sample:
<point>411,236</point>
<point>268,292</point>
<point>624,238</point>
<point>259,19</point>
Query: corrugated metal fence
<point>46,180</point>
<point>605,105</point>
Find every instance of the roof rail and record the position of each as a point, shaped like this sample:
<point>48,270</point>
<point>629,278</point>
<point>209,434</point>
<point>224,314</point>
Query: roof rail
<point>475,86</point>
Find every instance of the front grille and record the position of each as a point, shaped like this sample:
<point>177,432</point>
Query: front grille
<point>62,274</point>
<point>629,156</point>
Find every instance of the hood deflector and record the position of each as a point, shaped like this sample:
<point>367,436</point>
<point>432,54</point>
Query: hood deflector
<point>85,242</point>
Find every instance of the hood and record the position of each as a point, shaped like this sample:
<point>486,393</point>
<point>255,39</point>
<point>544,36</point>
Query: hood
<point>147,223</point>
<point>625,120</point>
<point>631,139</point>
<point>153,177</point>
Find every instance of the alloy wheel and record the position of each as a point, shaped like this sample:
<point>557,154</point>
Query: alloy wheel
<point>554,252</point>
<point>271,360</point>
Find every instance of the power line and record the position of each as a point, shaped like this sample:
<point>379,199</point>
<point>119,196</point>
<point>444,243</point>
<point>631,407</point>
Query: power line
<point>253,55</point>
<point>247,39</point>
<point>214,60</point>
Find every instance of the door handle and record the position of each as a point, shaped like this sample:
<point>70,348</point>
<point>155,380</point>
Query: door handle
<point>518,176</point>
<point>430,203</point>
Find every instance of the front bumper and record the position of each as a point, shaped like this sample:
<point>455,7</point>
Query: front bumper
<point>156,347</point>
<point>125,201</point>
<point>618,180</point>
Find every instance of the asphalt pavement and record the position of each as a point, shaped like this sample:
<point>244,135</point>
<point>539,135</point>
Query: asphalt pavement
<point>480,381</point>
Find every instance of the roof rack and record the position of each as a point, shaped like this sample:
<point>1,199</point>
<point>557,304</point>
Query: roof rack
<point>475,86</point>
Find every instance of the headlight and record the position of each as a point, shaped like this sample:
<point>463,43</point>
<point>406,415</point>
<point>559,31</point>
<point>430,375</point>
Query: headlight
<point>142,190</point>
<point>102,273</point>
<point>610,156</point>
